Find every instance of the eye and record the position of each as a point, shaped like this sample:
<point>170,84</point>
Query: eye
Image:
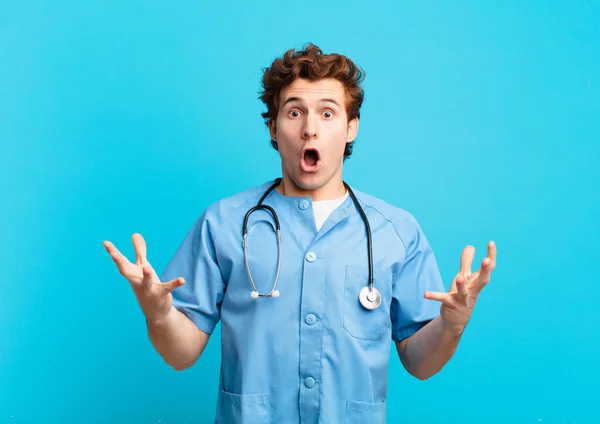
<point>328,114</point>
<point>294,113</point>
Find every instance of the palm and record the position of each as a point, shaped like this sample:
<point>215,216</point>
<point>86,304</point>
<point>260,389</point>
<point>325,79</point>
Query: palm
<point>457,305</point>
<point>155,297</point>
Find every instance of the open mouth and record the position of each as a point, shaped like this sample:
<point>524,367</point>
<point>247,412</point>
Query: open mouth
<point>310,159</point>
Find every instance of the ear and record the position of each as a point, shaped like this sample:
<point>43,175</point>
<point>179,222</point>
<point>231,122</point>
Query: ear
<point>352,130</point>
<point>272,130</point>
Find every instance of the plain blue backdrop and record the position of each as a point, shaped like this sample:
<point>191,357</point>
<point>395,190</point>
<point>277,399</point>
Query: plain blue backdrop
<point>481,118</point>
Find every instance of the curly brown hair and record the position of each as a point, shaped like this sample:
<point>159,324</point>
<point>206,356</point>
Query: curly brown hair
<point>311,64</point>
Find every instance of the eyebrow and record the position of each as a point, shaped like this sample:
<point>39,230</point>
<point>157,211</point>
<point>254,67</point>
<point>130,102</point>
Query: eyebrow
<point>324,100</point>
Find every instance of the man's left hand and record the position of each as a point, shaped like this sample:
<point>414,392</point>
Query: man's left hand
<point>457,304</point>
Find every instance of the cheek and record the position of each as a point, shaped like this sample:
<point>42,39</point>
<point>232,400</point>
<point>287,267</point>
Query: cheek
<point>286,137</point>
<point>338,137</point>
<point>339,128</point>
<point>289,131</point>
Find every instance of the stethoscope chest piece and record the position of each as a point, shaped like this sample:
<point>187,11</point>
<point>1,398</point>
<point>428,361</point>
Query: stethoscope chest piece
<point>369,297</point>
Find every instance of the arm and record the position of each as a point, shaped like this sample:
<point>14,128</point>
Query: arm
<point>425,353</point>
<point>177,339</point>
<point>174,336</point>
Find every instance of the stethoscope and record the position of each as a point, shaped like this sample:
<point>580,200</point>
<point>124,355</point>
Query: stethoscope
<point>369,296</point>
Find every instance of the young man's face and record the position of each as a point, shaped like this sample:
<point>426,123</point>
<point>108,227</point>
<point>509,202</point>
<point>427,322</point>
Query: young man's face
<point>311,131</point>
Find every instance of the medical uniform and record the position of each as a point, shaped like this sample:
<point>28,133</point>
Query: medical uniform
<point>313,354</point>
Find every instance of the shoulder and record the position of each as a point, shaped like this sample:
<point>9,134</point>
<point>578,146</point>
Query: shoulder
<point>402,222</point>
<point>217,213</point>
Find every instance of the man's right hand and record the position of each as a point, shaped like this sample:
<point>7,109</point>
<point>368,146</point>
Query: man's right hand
<point>154,297</point>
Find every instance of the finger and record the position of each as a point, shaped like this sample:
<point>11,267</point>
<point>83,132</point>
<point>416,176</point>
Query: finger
<point>492,253</point>
<point>139,245</point>
<point>149,275</point>
<point>461,285</point>
<point>173,284</point>
<point>466,259</point>
<point>119,259</point>
<point>439,296</point>
<point>485,272</point>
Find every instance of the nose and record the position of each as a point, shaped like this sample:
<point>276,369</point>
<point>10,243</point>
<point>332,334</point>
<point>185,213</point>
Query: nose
<point>309,134</point>
<point>310,128</point>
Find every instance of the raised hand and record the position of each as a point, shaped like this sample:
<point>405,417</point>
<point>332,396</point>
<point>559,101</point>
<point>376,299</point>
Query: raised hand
<point>457,305</point>
<point>154,297</point>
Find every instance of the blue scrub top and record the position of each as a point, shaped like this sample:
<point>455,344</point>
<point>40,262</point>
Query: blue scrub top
<point>314,354</point>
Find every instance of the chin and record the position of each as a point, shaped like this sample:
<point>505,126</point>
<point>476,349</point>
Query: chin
<point>310,182</point>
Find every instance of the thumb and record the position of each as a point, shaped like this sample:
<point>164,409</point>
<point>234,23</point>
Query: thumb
<point>439,296</point>
<point>173,284</point>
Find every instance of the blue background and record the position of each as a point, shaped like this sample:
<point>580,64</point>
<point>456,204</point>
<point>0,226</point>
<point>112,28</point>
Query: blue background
<point>480,118</point>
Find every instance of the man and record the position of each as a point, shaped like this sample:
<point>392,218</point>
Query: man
<point>299,344</point>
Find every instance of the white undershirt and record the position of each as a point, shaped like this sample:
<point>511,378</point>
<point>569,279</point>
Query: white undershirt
<point>324,208</point>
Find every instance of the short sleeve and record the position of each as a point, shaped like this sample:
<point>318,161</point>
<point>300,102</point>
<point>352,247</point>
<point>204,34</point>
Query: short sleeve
<point>201,296</point>
<point>419,273</point>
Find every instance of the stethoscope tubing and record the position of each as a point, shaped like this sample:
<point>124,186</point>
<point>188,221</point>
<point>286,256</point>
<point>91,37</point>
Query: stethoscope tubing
<point>278,231</point>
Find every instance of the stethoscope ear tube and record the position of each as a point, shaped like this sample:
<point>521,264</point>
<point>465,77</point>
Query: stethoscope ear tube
<point>267,207</point>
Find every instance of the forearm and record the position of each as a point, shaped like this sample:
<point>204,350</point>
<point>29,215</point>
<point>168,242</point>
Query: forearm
<point>177,339</point>
<point>429,349</point>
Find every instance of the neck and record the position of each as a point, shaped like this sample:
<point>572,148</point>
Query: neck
<point>333,189</point>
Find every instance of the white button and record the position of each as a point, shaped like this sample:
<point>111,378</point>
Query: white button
<point>311,256</point>
<point>303,204</point>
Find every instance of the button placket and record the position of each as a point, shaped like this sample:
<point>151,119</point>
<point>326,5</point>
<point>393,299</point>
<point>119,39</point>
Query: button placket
<point>311,330</point>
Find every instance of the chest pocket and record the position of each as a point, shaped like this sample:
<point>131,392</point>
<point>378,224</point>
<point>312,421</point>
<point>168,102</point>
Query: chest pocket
<point>362,323</point>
